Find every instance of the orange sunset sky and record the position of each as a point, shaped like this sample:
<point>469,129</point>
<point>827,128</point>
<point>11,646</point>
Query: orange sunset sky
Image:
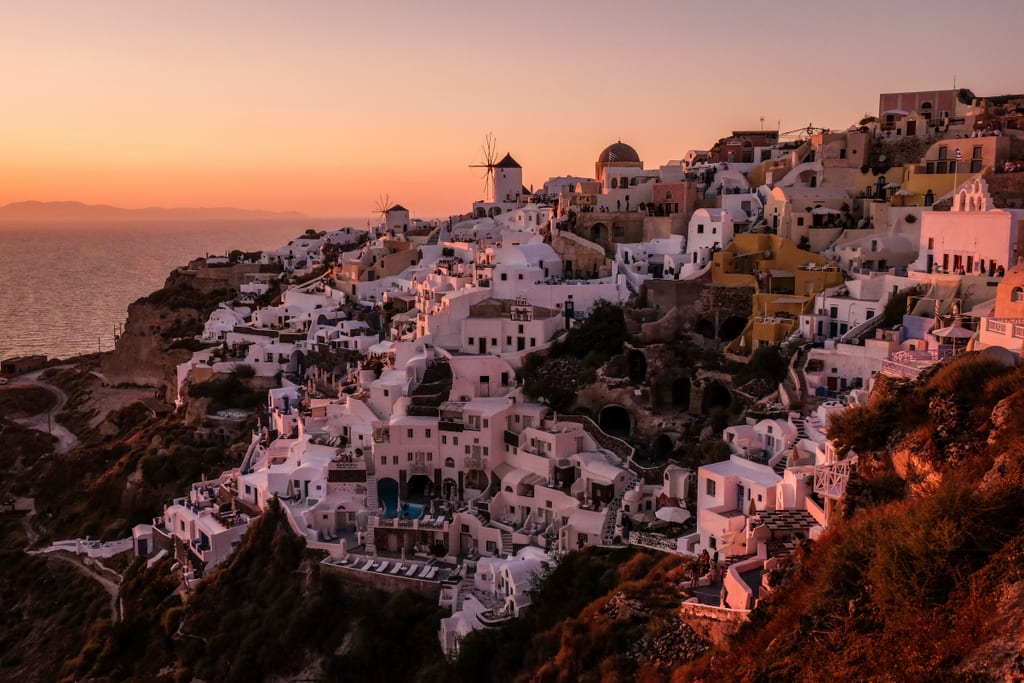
<point>320,107</point>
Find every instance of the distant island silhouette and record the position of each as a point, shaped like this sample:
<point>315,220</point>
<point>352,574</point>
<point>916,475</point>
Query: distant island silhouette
<point>35,211</point>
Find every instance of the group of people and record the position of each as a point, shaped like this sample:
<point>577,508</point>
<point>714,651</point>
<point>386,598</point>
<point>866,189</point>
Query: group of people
<point>704,565</point>
<point>1013,166</point>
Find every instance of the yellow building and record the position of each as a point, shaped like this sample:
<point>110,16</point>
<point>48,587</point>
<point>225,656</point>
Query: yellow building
<point>785,280</point>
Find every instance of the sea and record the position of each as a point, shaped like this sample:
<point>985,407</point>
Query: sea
<point>65,287</point>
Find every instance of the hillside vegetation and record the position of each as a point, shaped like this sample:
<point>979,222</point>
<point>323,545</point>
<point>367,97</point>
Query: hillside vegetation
<point>923,577</point>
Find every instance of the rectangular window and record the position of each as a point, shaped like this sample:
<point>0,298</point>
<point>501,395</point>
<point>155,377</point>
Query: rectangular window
<point>486,423</point>
<point>428,433</point>
<point>508,341</point>
<point>504,276</point>
<point>455,441</point>
<point>471,339</point>
<point>408,457</point>
<point>383,460</point>
<point>444,439</point>
<point>394,459</point>
<point>408,433</point>
<point>709,487</point>
<point>943,153</point>
<point>800,221</point>
<point>700,228</point>
<point>976,152</point>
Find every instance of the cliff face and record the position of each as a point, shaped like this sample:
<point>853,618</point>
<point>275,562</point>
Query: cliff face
<point>161,327</point>
<point>142,354</point>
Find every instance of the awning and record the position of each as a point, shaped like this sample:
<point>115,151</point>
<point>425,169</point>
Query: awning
<point>896,112</point>
<point>825,211</point>
<point>778,272</point>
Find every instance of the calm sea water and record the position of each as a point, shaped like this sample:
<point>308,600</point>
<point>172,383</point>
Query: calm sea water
<point>65,288</point>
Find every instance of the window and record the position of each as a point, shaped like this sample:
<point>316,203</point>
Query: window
<point>470,341</point>
<point>943,153</point>
<point>467,449</point>
<point>444,439</point>
<point>449,462</point>
<point>428,434</point>
<point>508,341</point>
<point>800,220</point>
<point>485,450</point>
<point>504,277</point>
<point>870,313</point>
<point>383,460</point>
<point>520,276</point>
<point>455,441</point>
<point>709,487</point>
<point>842,152</point>
<point>248,489</point>
<point>700,228</point>
<point>931,242</point>
<point>494,342</point>
<point>408,433</point>
<point>833,312</point>
<point>394,460</point>
<point>976,152</point>
<point>1017,294</point>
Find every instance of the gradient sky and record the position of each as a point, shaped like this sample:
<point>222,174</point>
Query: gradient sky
<point>320,106</point>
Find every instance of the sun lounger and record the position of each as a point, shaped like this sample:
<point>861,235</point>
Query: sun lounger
<point>367,565</point>
<point>383,566</point>
<point>412,569</point>
<point>423,574</point>
<point>398,568</point>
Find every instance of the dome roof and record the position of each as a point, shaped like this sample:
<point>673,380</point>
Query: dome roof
<point>618,152</point>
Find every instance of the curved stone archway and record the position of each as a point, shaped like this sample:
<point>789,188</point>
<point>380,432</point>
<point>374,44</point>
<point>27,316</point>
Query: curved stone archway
<point>662,447</point>
<point>636,363</point>
<point>731,328</point>
<point>615,420</point>
<point>715,395</point>
<point>681,393</point>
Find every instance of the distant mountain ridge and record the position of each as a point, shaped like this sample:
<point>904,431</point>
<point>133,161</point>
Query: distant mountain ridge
<point>77,211</point>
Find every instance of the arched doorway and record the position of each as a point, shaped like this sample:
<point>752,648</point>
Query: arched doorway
<point>421,488</point>
<point>662,447</point>
<point>449,488</point>
<point>681,393</point>
<point>595,231</point>
<point>732,327</point>
<point>387,494</point>
<point>715,395</point>
<point>615,420</point>
<point>637,364</point>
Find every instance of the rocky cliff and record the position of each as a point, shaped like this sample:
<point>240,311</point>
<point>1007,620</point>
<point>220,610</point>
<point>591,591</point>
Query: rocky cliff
<point>161,328</point>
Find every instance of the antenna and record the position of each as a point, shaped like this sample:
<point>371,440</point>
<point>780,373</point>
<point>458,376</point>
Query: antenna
<point>490,159</point>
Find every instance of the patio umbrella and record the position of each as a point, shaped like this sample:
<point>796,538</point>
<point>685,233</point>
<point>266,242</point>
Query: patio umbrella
<point>673,514</point>
<point>643,517</point>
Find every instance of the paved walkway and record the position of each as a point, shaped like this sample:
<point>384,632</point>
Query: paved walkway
<point>45,422</point>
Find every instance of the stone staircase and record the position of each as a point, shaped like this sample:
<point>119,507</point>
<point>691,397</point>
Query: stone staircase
<point>372,503</point>
<point>506,543</point>
<point>611,517</point>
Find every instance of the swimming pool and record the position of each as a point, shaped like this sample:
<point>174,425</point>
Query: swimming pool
<point>414,510</point>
